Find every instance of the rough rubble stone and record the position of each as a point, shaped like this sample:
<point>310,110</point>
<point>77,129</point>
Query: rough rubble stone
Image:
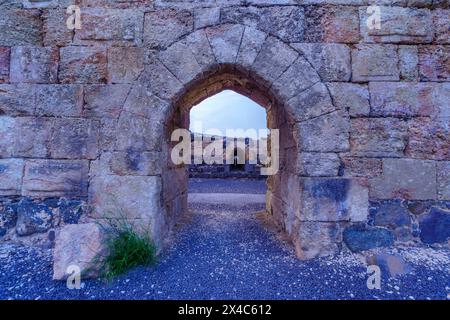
<point>390,213</point>
<point>359,237</point>
<point>33,217</point>
<point>8,216</point>
<point>435,226</point>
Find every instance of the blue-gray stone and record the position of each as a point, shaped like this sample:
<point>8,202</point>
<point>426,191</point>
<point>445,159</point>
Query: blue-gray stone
<point>390,213</point>
<point>360,237</point>
<point>71,210</point>
<point>33,217</point>
<point>8,216</point>
<point>435,226</point>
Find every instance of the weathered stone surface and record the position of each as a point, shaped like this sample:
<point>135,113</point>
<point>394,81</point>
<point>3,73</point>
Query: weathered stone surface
<point>361,167</point>
<point>117,26</point>
<point>428,139</point>
<point>7,131</point>
<point>105,101</point>
<point>299,77</point>
<point>181,61</point>
<point>8,216</point>
<point>331,60</point>
<point>374,62</point>
<point>11,172</point>
<point>30,137</point>
<point>409,60</point>
<point>206,17</point>
<point>34,64</point>
<point>435,226</point>
<point>332,24</point>
<point>199,45</point>
<point>160,81</point>
<point>59,100</point>
<point>390,213</point>
<point>83,65</point>
<point>163,27</point>
<point>80,245</point>
<point>273,59</point>
<point>4,64</point>
<point>398,25</point>
<point>138,133</point>
<point>360,237</point>
<point>55,31</point>
<point>311,103</point>
<point>318,164</point>
<point>317,239</point>
<point>378,137</point>
<point>405,179</point>
<point>33,217</point>
<point>407,99</point>
<point>71,210</point>
<point>17,99</point>
<point>55,178</point>
<point>125,64</point>
<point>136,163</point>
<point>350,96</point>
<point>285,23</point>
<point>338,199</point>
<point>225,41</point>
<point>443,179</point>
<point>142,102</point>
<point>440,26</point>
<point>20,27</point>
<point>75,139</point>
<point>326,133</point>
<point>252,42</point>
<point>434,63</point>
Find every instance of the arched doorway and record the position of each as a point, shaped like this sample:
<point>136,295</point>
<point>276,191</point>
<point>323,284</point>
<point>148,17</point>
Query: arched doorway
<point>311,206</point>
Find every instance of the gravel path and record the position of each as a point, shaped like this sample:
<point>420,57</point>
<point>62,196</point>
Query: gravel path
<point>250,186</point>
<point>224,253</point>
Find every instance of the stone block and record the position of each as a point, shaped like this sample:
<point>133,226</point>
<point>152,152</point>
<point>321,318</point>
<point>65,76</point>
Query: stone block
<point>165,26</point>
<point>31,136</point>
<point>389,213</point>
<point>378,137</point>
<point>440,26</point>
<point>311,103</point>
<point>225,41</point>
<point>11,172</point>
<point>359,237</point>
<point>398,25</point>
<point>20,28</point>
<point>105,101</point>
<point>252,42</point>
<point>361,167</point>
<point>405,179</point>
<point>55,178</point>
<point>59,100</point>
<point>34,64</point>
<point>435,226</point>
<point>8,216</point>
<point>136,163</point>
<point>273,59</point>
<point>334,199</point>
<point>375,62</point>
<point>331,61</point>
<point>17,99</point>
<point>33,217</point>
<point>326,133</point>
<point>434,63</point>
<point>75,139</point>
<point>409,60</point>
<point>55,28</point>
<point>338,24</point>
<point>83,65</point>
<point>284,22</point>
<point>119,27</point>
<point>78,245</point>
<point>317,239</point>
<point>443,179</point>
<point>350,96</point>
<point>318,164</point>
<point>125,64</point>
<point>206,17</point>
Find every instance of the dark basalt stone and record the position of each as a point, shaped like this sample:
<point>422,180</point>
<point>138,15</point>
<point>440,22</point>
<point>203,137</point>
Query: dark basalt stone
<point>435,226</point>
<point>360,237</point>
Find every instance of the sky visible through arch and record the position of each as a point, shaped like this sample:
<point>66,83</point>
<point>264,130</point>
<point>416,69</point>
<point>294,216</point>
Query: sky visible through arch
<point>227,110</point>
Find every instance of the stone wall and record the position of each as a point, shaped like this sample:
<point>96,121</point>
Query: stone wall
<point>364,115</point>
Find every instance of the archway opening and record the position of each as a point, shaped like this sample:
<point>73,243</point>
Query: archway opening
<point>282,197</point>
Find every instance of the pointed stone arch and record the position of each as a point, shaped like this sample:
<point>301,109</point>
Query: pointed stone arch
<point>272,73</point>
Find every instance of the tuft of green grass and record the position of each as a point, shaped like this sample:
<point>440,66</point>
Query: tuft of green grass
<point>127,249</point>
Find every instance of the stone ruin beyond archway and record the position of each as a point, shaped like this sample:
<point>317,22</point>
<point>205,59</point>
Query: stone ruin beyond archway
<point>84,124</point>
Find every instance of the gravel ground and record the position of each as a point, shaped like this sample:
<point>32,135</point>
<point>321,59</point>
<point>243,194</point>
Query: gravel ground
<point>252,186</point>
<point>223,253</point>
